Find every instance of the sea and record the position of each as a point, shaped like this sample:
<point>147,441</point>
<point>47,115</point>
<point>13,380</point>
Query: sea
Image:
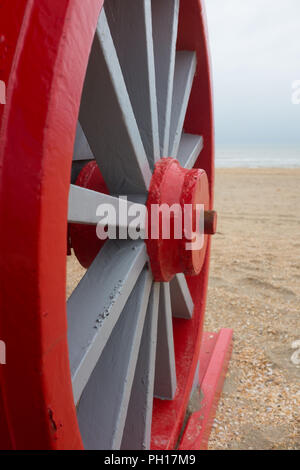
<point>257,157</point>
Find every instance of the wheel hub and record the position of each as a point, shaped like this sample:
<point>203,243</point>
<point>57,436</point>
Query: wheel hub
<point>178,225</point>
<point>179,196</point>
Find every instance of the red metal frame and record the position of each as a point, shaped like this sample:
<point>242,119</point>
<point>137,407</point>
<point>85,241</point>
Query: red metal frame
<point>45,48</point>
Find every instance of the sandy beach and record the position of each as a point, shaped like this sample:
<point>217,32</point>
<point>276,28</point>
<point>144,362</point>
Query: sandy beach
<point>255,289</point>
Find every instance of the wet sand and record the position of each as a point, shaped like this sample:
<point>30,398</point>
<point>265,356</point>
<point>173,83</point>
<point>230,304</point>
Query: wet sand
<point>255,289</point>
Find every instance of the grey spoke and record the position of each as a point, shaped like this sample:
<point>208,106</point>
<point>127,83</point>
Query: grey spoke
<point>165,26</point>
<point>82,150</point>
<point>83,205</point>
<point>165,370</point>
<point>97,302</point>
<point>189,150</point>
<point>135,53</point>
<point>137,431</point>
<point>185,68</point>
<point>181,300</point>
<point>108,121</point>
<point>103,406</point>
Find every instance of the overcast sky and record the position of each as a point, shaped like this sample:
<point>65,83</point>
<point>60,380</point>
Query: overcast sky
<point>255,50</point>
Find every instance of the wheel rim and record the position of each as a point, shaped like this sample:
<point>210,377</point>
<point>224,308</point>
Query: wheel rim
<point>112,346</point>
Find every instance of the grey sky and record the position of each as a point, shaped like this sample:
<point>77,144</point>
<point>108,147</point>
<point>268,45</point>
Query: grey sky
<point>255,50</point>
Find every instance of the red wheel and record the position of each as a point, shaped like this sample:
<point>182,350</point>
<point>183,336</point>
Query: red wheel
<point>89,381</point>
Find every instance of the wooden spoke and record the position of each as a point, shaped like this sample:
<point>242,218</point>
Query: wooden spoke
<point>189,150</point>
<point>185,68</point>
<point>165,25</point>
<point>181,300</point>
<point>165,371</point>
<point>96,304</point>
<point>103,406</point>
<point>84,204</point>
<point>137,431</point>
<point>138,66</point>
<point>82,150</point>
<point>108,121</point>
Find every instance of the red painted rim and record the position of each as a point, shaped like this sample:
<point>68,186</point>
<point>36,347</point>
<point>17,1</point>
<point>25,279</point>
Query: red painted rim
<point>46,69</point>
<point>46,57</point>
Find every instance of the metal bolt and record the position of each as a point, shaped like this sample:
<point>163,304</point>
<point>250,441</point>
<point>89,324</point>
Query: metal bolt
<point>210,222</point>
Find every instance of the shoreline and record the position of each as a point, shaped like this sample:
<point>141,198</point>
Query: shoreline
<point>257,167</point>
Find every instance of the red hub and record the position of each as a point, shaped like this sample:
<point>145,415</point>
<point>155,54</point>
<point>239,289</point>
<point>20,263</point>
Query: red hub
<point>176,242</point>
<point>176,194</point>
